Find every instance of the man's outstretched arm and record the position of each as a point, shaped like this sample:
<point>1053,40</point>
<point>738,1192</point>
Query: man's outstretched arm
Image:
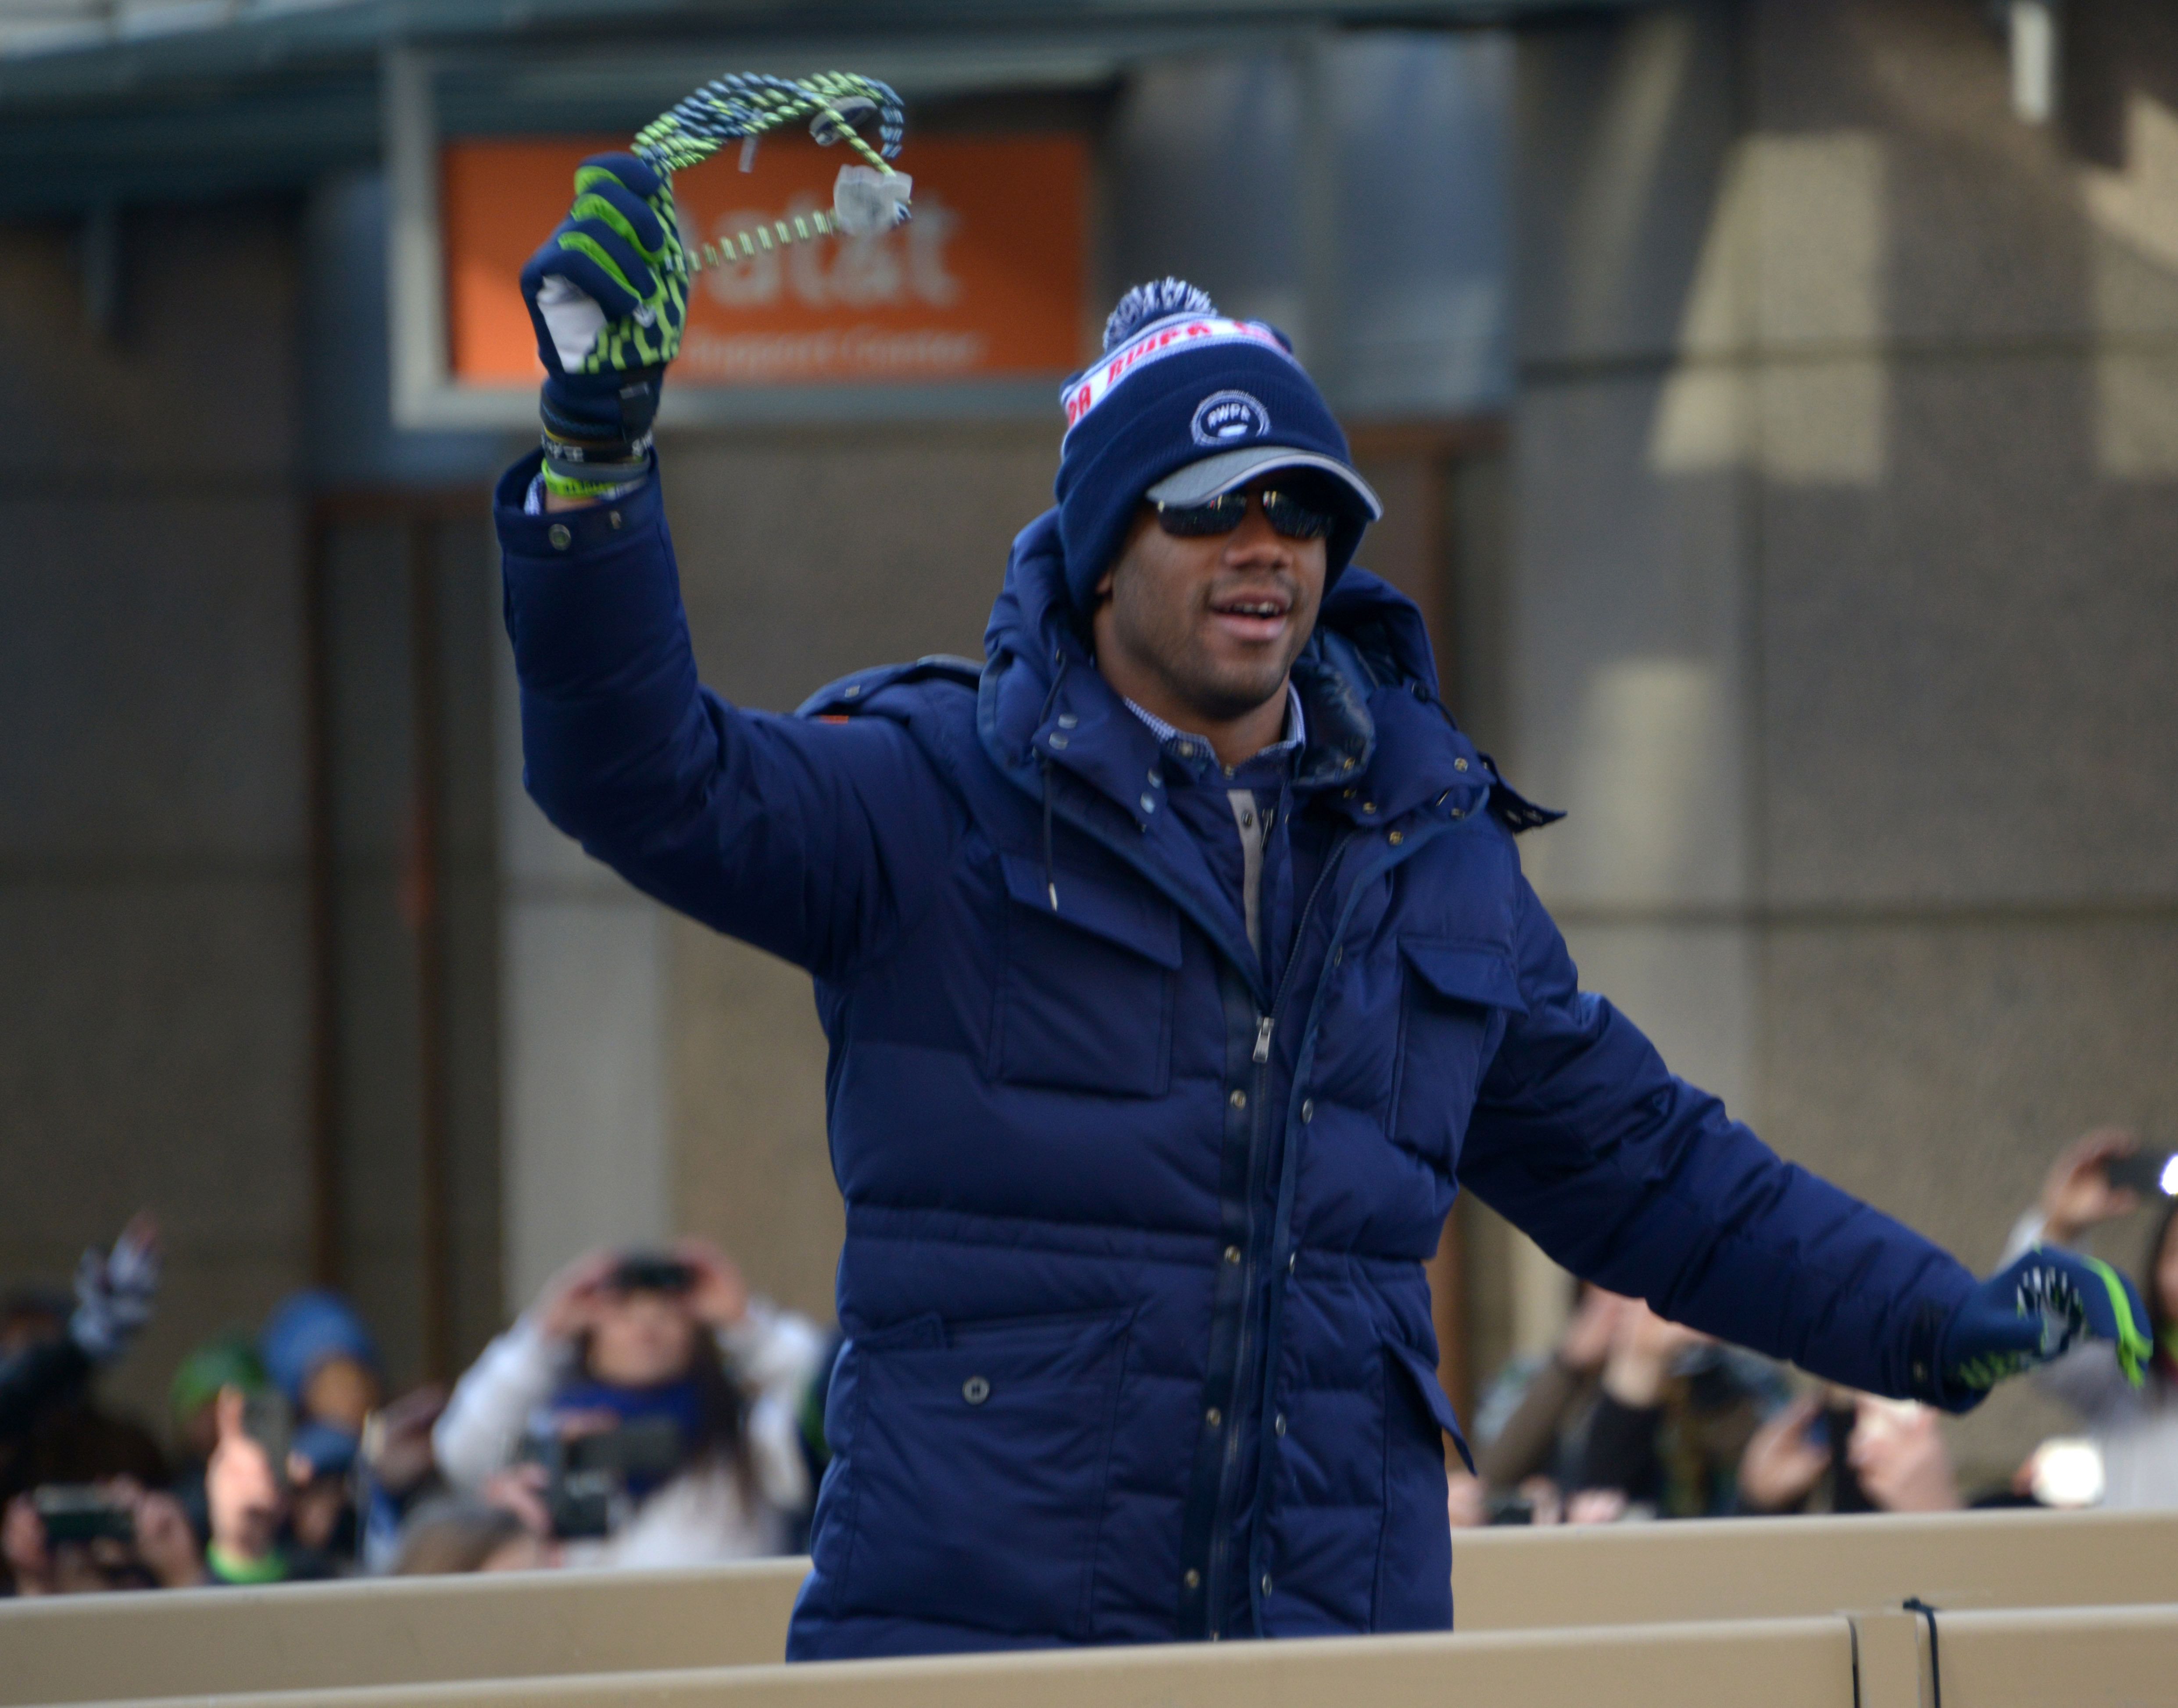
<point>1635,1180</point>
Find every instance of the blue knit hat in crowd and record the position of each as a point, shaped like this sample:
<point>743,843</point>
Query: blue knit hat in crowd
<point>1183,405</point>
<point>304,1330</point>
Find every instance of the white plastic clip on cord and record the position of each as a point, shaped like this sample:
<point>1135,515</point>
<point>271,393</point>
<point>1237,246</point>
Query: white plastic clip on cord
<point>867,200</point>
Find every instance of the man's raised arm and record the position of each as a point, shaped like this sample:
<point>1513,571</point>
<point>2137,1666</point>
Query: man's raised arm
<point>785,833</point>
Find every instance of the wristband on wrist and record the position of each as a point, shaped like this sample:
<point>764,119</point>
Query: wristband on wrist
<point>589,460</point>
<point>597,444</point>
<point>561,484</point>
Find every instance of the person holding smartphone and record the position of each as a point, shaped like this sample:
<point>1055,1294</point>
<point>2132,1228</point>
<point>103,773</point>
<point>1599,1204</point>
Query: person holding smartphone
<point>2101,1177</point>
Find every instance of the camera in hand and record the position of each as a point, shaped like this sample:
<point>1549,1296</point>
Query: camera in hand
<point>588,1475</point>
<point>78,1513</point>
<point>651,1272</point>
<point>2148,1173</point>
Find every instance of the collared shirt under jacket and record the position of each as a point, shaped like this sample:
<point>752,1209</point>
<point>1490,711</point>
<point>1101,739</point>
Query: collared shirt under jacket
<point>1140,1344</point>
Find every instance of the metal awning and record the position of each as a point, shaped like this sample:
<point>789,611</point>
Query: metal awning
<point>184,100</point>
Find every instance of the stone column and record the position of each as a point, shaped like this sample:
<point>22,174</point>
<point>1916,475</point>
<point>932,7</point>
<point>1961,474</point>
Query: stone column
<point>1627,613</point>
<point>583,1093</point>
<point>1842,609</point>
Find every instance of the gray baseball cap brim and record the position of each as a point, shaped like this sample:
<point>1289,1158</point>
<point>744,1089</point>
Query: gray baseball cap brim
<point>1200,482</point>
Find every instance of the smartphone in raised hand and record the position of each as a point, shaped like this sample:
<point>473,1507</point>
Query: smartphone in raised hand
<point>2150,1173</point>
<point>268,1420</point>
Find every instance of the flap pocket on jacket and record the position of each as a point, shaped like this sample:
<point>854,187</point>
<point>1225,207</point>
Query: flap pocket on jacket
<point>977,1472</point>
<point>1147,924</point>
<point>1085,997</point>
<point>1431,1393</point>
<point>1414,1561</point>
<point>1459,993</point>
<point>1464,972</point>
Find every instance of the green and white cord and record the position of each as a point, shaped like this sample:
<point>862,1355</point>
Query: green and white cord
<point>867,199</point>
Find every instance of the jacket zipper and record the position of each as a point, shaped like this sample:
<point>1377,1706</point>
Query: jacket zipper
<point>1266,1024</point>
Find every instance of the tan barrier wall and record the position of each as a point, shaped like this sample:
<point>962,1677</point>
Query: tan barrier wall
<point>418,1631</point>
<point>393,1631</point>
<point>1748,1568</point>
<point>2100,1657</point>
<point>2103,1657</point>
<point>1799,1663</point>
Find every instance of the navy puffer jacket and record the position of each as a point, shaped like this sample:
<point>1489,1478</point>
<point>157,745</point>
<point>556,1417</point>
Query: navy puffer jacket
<point>1140,1344</point>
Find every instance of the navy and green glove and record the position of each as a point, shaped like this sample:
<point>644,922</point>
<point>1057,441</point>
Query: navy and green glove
<point>2035,1309</point>
<point>607,294</point>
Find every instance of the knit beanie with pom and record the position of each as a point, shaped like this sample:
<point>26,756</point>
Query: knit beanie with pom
<point>1193,404</point>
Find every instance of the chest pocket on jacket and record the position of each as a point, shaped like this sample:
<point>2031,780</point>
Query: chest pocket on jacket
<point>1085,999</point>
<point>1451,1016</point>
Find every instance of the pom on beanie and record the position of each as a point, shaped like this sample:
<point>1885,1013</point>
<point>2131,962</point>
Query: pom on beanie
<point>1178,383</point>
<point>1152,302</point>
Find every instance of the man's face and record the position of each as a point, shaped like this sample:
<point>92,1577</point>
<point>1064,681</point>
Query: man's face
<point>1218,619</point>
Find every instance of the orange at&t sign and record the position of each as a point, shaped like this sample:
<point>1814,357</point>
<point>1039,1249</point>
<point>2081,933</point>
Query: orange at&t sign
<point>986,281</point>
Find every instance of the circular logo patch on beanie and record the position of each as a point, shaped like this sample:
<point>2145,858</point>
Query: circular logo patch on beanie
<point>1228,417</point>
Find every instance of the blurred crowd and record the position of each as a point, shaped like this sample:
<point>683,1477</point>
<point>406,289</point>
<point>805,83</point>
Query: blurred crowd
<point>1633,1417</point>
<point>647,1410</point>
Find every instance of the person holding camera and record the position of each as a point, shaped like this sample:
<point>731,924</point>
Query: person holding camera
<point>1835,1451</point>
<point>2135,1427</point>
<point>112,1534</point>
<point>1640,1415</point>
<point>642,1410</point>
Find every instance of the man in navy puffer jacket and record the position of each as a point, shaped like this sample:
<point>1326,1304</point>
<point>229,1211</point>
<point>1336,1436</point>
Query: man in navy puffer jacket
<point>1178,968</point>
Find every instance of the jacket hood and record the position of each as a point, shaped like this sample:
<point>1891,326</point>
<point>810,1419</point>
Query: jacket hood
<point>1056,730</point>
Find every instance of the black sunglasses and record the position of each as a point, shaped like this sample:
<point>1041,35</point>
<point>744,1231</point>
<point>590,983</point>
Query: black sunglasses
<point>1295,516</point>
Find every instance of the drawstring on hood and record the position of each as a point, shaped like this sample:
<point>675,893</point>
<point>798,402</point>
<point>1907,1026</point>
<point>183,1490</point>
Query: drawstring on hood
<point>1051,694</point>
<point>1050,880</point>
<point>1042,710</point>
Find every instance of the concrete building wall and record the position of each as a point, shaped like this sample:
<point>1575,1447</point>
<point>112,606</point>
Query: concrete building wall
<point>411,647</point>
<point>584,1087</point>
<point>154,1017</point>
<point>162,540</point>
<point>1842,600</point>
